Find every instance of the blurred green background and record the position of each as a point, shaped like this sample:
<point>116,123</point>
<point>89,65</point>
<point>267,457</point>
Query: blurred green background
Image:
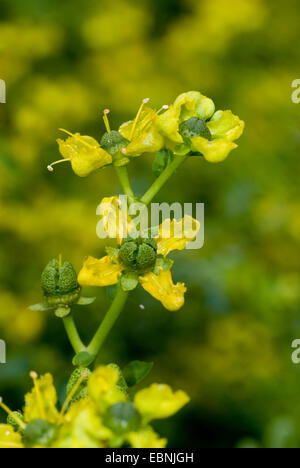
<point>230,346</point>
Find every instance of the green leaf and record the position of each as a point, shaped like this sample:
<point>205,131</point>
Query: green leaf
<point>83,359</point>
<point>122,418</point>
<point>42,307</point>
<point>136,371</point>
<point>40,432</point>
<point>163,264</point>
<point>129,281</point>
<point>111,292</point>
<point>161,161</point>
<point>62,312</point>
<point>86,300</point>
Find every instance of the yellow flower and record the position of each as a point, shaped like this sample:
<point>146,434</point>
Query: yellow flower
<point>142,132</point>
<point>137,261</point>
<point>84,153</point>
<point>159,402</point>
<point>225,128</point>
<point>40,403</point>
<point>9,438</point>
<point>102,387</point>
<point>146,438</point>
<point>192,125</point>
<point>83,427</point>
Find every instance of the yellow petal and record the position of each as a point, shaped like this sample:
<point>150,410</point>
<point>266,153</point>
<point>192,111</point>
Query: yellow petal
<point>194,104</point>
<point>40,403</point>
<point>115,219</point>
<point>143,135</point>
<point>224,124</point>
<point>146,438</point>
<point>85,154</point>
<point>175,235</point>
<point>168,125</point>
<point>101,272</point>
<point>9,438</point>
<point>162,288</point>
<point>159,401</point>
<point>103,389</point>
<point>214,151</point>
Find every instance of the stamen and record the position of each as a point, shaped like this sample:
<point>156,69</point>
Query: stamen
<point>165,107</point>
<point>77,137</point>
<point>106,121</point>
<point>60,260</point>
<point>71,394</point>
<point>145,101</point>
<point>124,150</point>
<point>50,167</point>
<point>12,415</point>
<point>34,377</point>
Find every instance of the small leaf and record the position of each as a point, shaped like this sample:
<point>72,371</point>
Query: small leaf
<point>86,300</point>
<point>83,359</point>
<point>40,307</point>
<point>136,371</point>
<point>62,312</point>
<point>163,264</point>
<point>129,281</point>
<point>111,292</point>
<point>161,161</point>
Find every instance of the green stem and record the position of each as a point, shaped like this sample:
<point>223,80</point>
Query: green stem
<point>162,179</point>
<point>73,334</point>
<point>122,174</point>
<point>108,322</point>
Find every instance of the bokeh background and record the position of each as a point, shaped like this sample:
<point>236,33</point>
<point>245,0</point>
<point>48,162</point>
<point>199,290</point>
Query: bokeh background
<point>230,347</point>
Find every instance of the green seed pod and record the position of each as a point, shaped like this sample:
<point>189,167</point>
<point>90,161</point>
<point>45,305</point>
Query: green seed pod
<point>113,142</point>
<point>138,255</point>
<point>13,421</point>
<point>82,391</point>
<point>193,128</point>
<point>67,279</point>
<point>60,284</point>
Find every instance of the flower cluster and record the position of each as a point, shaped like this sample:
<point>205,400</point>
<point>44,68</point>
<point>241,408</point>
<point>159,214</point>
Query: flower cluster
<point>97,413</point>
<point>189,126</point>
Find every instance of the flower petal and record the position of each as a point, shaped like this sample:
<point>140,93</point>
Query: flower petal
<point>175,235</point>
<point>146,137</point>
<point>85,154</point>
<point>115,219</point>
<point>224,124</point>
<point>40,403</point>
<point>101,272</point>
<point>146,438</point>
<point>214,151</point>
<point>194,104</point>
<point>162,288</point>
<point>159,401</point>
<point>187,105</point>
